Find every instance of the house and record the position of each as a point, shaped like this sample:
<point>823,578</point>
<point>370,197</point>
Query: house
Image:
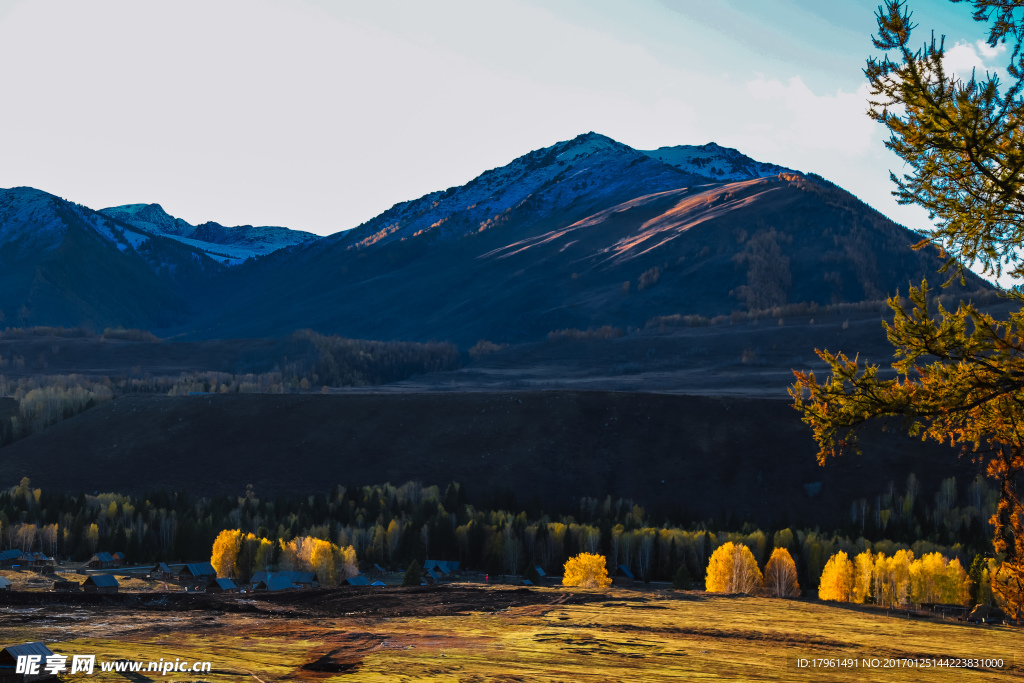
<point>357,581</point>
<point>222,586</point>
<point>986,614</point>
<point>101,583</point>
<point>378,583</point>
<point>119,559</point>
<point>9,662</point>
<point>540,571</point>
<point>66,586</point>
<point>100,561</point>
<point>197,572</point>
<point>9,558</point>
<point>294,579</point>
<point>442,566</point>
<point>273,581</point>
<point>623,570</point>
<point>162,572</point>
<point>35,560</point>
<point>5,584</point>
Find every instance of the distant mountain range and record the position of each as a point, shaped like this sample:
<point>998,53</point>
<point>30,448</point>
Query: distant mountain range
<point>587,232</point>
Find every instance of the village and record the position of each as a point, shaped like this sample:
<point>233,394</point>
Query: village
<point>106,573</point>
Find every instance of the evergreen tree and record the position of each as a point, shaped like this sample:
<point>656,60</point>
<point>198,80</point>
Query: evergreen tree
<point>682,579</point>
<point>413,575</point>
<point>960,373</point>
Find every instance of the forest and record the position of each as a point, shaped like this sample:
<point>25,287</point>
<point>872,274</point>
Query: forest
<point>394,525</point>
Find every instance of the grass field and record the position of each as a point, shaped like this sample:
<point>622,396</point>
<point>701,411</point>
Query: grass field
<point>617,635</point>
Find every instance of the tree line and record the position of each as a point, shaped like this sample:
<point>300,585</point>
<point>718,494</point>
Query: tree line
<point>394,525</point>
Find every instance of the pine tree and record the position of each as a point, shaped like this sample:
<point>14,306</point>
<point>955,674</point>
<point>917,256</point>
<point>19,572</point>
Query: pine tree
<point>682,579</point>
<point>960,373</point>
<point>413,575</point>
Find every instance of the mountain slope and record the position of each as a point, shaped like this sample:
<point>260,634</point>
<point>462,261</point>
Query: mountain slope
<point>229,246</point>
<point>64,264</point>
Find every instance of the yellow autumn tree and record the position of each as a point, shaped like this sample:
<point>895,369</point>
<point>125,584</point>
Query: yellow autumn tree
<point>225,552</point>
<point>863,575</point>
<point>586,570</point>
<point>732,569</point>
<point>330,562</point>
<point>264,556</point>
<point>958,585</point>
<point>837,579</point>
<point>780,575</point>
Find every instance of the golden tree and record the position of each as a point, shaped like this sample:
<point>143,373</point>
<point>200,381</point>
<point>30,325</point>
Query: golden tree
<point>780,575</point>
<point>586,570</point>
<point>732,569</point>
<point>837,579</point>
<point>225,552</point>
<point>863,571</point>
<point>960,373</point>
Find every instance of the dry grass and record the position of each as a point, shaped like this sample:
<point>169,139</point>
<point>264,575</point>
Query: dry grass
<point>627,636</point>
<point>27,580</point>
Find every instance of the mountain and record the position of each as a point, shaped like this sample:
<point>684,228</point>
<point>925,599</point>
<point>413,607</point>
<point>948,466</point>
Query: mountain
<point>64,264</point>
<point>585,233</point>
<point>229,246</point>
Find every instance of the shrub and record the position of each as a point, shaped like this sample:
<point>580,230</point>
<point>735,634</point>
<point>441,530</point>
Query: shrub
<point>484,347</point>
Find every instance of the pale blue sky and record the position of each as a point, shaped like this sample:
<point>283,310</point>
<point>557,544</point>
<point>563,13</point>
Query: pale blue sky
<point>318,115</point>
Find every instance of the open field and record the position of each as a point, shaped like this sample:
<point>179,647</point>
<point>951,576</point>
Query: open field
<point>459,633</point>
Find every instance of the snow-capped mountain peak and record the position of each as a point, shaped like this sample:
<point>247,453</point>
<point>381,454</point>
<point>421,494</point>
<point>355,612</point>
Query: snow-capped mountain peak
<point>152,218</point>
<point>227,245</point>
<point>591,168</point>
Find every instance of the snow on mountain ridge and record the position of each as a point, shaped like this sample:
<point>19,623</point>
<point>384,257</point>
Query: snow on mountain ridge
<point>716,162</point>
<point>228,245</point>
<point>29,217</point>
<point>150,217</point>
<point>590,168</point>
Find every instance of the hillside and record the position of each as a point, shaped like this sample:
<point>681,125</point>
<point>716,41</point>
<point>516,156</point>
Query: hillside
<point>64,264</point>
<point>707,456</point>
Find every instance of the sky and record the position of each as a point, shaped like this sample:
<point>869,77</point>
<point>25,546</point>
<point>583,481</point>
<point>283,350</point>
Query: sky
<point>317,114</point>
